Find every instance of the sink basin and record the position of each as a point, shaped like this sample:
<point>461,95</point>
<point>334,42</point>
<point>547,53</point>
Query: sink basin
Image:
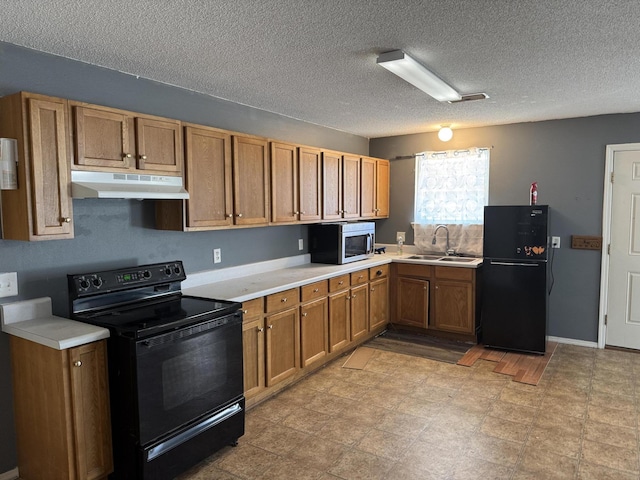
<point>425,257</point>
<point>456,259</point>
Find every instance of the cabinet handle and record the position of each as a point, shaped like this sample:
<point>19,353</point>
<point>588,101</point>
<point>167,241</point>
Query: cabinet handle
<point>315,290</point>
<point>353,296</point>
<point>66,219</point>
<point>239,215</point>
<point>143,157</point>
<point>360,276</point>
<point>373,289</point>
<point>379,272</point>
<point>230,215</point>
<point>77,363</point>
<point>270,326</point>
<point>260,329</point>
<point>296,213</point>
<point>304,314</point>
<point>284,299</point>
<point>245,311</point>
<point>340,282</point>
<point>126,155</point>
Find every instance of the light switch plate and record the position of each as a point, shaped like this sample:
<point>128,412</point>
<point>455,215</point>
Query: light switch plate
<point>400,237</point>
<point>300,244</point>
<point>8,284</point>
<point>555,242</point>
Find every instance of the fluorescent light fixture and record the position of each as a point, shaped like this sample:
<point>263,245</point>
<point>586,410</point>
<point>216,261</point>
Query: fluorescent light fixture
<point>413,72</point>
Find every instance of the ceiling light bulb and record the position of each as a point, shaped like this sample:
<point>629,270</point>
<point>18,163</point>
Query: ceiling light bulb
<point>445,134</point>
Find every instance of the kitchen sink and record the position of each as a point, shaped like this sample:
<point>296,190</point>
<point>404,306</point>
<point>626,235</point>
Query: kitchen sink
<point>425,257</point>
<point>456,259</point>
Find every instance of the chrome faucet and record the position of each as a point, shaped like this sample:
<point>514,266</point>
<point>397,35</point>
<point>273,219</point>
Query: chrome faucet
<point>448,250</point>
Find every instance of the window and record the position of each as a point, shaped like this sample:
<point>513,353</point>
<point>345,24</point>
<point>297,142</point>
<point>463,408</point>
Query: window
<point>452,187</point>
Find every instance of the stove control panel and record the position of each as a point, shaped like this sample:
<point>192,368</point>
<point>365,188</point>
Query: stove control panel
<point>125,278</point>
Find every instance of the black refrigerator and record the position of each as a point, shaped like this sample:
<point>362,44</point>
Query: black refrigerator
<point>515,279</point>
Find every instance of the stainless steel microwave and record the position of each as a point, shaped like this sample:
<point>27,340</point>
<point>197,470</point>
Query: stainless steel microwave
<point>341,242</point>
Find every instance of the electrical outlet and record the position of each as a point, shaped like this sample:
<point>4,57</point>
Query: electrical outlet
<point>217,255</point>
<point>555,242</point>
<point>300,244</point>
<point>400,237</point>
<point>8,284</point>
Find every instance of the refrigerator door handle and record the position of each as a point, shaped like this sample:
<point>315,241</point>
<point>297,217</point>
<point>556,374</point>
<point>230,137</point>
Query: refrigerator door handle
<point>514,264</point>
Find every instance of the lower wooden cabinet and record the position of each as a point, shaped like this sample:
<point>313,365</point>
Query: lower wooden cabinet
<point>378,303</point>
<point>412,306</point>
<point>61,403</point>
<point>359,311</point>
<point>314,331</point>
<point>283,345</point>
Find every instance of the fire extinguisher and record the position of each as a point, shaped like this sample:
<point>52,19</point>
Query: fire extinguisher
<point>533,197</point>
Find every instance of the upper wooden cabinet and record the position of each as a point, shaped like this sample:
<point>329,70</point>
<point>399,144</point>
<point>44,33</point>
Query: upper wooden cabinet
<point>310,184</point>
<point>40,208</point>
<point>350,187</point>
<point>250,180</point>
<point>374,190</point>
<point>284,183</point>
<point>107,139</point>
<point>331,185</point>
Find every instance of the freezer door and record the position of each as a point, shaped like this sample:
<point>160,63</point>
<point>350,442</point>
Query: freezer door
<point>516,232</point>
<point>515,305</point>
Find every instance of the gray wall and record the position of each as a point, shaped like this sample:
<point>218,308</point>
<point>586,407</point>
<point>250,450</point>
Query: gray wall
<point>117,233</point>
<point>566,158</point>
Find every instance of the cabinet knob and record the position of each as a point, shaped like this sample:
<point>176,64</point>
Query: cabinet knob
<point>304,314</point>
<point>296,213</point>
<point>353,296</point>
<point>284,299</point>
<point>239,215</point>
<point>126,155</point>
<point>230,215</point>
<point>143,157</point>
<point>77,363</point>
<point>379,272</point>
<point>66,219</point>
<point>245,311</point>
<point>315,290</point>
<point>260,329</point>
<point>270,326</point>
<point>373,289</point>
<point>340,282</point>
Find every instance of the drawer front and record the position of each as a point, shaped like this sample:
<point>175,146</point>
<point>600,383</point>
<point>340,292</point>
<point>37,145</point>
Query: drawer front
<point>453,273</point>
<point>252,308</point>
<point>280,301</point>
<point>414,270</point>
<point>314,290</point>
<point>379,272</point>
<point>358,278</point>
<point>339,283</point>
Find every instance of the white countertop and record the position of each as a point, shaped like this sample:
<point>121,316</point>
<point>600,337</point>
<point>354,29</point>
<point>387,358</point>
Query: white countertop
<point>33,320</point>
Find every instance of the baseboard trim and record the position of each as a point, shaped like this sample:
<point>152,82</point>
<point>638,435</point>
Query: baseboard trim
<point>573,341</point>
<point>10,475</point>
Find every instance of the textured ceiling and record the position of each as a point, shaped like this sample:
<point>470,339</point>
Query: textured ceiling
<point>315,60</point>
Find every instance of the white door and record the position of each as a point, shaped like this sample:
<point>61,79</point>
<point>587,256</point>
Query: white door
<point>623,290</point>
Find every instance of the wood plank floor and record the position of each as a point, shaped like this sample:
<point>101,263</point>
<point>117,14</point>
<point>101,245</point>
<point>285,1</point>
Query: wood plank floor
<point>522,367</point>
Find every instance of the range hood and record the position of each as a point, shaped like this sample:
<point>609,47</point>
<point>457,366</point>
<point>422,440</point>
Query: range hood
<point>125,185</point>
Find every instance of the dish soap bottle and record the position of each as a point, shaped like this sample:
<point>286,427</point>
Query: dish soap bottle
<point>533,197</point>
<point>400,243</point>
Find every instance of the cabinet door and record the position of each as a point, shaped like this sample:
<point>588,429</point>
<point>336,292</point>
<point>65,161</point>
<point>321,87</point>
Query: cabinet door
<point>331,186</point>
<point>50,169</point>
<point>339,310</point>
<point>378,303</point>
<point>382,188</point>
<point>351,187</point>
<point>253,355</point>
<point>314,331</point>
<point>208,177</point>
<point>92,421</point>
<point>159,145</point>
<point>310,184</point>
<point>359,311</point>
<point>103,138</point>
<point>368,187</point>
<point>283,345</point>
<point>412,297</point>
<point>453,310</point>
<point>284,183</point>
<point>250,181</point>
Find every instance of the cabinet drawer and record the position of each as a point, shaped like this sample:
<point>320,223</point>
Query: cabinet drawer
<point>252,308</point>
<point>314,290</point>
<point>414,270</point>
<point>379,272</point>
<point>453,273</point>
<point>358,278</point>
<point>282,300</point>
<point>339,283</point>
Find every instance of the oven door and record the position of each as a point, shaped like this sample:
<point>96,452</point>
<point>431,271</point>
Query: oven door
<point>187,373</point>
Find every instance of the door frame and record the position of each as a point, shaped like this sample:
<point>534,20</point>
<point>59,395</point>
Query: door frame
<point>606,233</point>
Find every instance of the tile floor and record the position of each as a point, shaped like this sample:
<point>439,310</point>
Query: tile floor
<point>411,418</point>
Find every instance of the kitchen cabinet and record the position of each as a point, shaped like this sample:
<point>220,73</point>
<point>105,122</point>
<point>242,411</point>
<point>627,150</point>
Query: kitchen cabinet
<point>314,323</point>
<point>350,187</point>
<point>310,184</point>
<point>359,305</point>
<point>374,197</point>
<point>208,180</point>
<point>437,299</point>
<point>283,344</point>
<point>284,183</point>
<point>253,347</point>
<point>40,208</point>
<point>61,404</point>
<point>331,185</point>
<point>378,297</point>
<point>109,139</point>
<point>250,180</point>
<point>339,312</point>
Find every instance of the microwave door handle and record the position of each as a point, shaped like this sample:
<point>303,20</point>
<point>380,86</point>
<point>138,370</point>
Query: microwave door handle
<point>369,243</point>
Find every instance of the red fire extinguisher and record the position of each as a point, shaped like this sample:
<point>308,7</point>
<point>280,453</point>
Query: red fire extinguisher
<point>533,198</point>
